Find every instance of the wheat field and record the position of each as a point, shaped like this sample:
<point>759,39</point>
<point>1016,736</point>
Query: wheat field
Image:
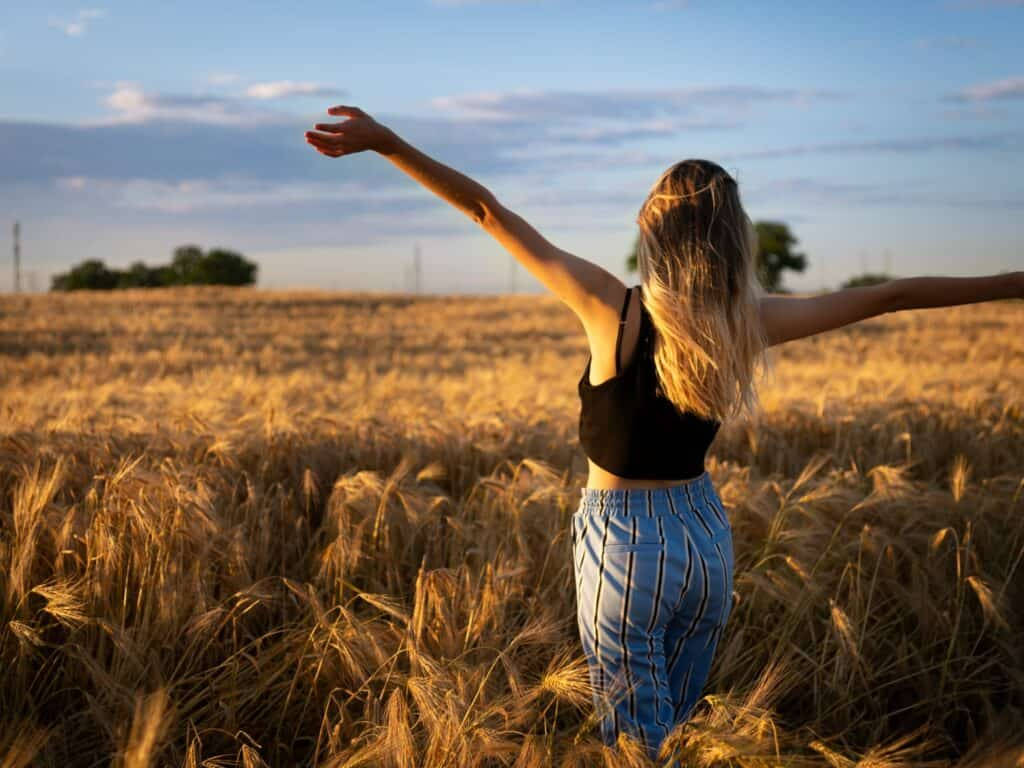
<point>255,528</point>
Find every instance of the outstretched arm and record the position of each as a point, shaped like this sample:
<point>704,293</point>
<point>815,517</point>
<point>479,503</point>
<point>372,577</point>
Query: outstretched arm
<point>786,318</point>
<point>922,292</point>
<point>584,286</point>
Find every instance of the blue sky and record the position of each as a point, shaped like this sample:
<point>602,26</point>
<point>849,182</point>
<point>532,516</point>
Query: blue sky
<point>883,133</point>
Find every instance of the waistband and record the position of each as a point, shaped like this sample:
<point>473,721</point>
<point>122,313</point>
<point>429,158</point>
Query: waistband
<point>649,502</point>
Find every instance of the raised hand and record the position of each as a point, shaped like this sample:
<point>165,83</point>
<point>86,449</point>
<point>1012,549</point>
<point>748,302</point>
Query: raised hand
<point>358,133</point>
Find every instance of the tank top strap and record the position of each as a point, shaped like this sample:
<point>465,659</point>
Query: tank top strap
<point>645,341</point>
<point>622,323</point>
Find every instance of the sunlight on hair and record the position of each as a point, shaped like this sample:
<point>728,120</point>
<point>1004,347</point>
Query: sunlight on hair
<point>696,258</point>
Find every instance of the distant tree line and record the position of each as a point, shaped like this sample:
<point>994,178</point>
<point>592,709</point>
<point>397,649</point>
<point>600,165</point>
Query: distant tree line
<point>190,266</point>
<point>868,278</point>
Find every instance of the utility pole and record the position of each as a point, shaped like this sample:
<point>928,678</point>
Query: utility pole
<point>17,258</point>
<point>417,268</point>
<point>888,260</point>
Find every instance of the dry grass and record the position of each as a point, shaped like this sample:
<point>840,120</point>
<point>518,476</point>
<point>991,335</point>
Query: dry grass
<point>248,528</point>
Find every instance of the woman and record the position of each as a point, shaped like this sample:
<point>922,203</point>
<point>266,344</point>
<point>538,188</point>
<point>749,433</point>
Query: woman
<point>669,362</point>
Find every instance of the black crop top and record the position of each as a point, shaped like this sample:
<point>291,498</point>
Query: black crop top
<point>629,428</point>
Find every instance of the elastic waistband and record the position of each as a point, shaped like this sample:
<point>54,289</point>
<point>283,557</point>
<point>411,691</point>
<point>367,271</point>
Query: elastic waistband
<point>650,502</point>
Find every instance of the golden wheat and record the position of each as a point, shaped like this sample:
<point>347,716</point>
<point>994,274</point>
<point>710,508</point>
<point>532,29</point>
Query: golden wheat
<point>249,528</point>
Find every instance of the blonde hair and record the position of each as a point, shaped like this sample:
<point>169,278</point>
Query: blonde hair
<point>696,258</point>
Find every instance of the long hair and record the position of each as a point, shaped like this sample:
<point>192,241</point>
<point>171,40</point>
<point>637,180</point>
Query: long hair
<point>696,258</point>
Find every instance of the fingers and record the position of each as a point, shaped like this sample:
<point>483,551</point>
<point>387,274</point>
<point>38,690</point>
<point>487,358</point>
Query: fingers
<point>330,127</point>
<point>328,144</point>
<point>343,110</point>
<point>330,137</point>
<point>330,140</point>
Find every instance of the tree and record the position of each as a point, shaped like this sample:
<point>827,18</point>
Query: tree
<point>223,267</point>
<point>190,266</point>
<point>631,259</point>
<point>139,275</point>
<point>868,278</point>
<point>186,264</point>
<point>774,254</point>
<point>91,274</point>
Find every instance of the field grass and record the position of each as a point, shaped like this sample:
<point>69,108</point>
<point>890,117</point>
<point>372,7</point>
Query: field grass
<point>248,528</point>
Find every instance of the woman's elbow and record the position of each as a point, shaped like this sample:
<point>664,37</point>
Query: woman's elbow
<point>484,209</point>
<point>891,297</point>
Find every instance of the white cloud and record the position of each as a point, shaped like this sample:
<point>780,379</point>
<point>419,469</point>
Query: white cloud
<point>189,195</point>
<point>909,192</point>
<point>280,89</point>
<point>79,25</point>
<point>132,104</point>
<point>1003,141</point>
<point>623,103</point>
<point>1007,88</point>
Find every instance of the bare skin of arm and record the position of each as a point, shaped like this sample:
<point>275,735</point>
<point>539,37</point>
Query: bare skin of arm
<point>786,318</point>
<point>594,294</point>
<point>587,288</point>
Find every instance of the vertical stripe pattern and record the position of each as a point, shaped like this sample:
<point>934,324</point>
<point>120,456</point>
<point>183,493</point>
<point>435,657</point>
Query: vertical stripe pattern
<point>653,574</point>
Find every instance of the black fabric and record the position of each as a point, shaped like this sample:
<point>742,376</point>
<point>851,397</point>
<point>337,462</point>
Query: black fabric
<point>629,428</point>
<point>622,323</point>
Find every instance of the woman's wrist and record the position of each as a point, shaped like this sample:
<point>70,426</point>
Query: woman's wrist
<point>389,143</point>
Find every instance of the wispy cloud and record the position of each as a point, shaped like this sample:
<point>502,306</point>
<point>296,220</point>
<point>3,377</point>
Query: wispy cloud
<point>187,195</point>
<point>1007,88</point>
<point>170,137</point>
<point>1002,141</point>
<point>79,25</point>
<point>280,89</point>
<point>979,110</point>
<point>131,104</point>
<point>624,103</point>
<point>952,42</point>
<point>818,190</point>
<point>177,153</point>
<point>907,192</point>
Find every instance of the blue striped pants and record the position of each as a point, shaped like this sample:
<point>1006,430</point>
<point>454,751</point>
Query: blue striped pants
<point>654,581</point>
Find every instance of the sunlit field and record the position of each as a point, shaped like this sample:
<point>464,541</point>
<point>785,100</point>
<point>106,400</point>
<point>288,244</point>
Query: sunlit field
<point>252,528</point>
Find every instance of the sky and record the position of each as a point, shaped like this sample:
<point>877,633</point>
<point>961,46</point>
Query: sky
<point>888,136</point>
